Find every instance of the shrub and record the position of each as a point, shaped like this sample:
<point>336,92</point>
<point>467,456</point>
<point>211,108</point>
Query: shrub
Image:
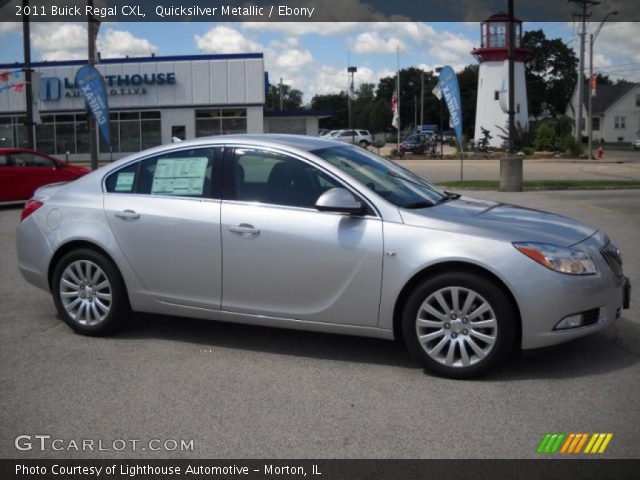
<point>545,137</point>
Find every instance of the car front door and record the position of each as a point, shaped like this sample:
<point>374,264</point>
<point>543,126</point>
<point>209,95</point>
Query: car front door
<point>282,257</point>
<point>165,214</point>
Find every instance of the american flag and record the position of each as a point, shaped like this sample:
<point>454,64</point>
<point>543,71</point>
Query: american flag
<point>394,109</point>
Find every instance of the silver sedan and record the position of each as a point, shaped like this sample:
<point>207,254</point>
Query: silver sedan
<point>301,232</point>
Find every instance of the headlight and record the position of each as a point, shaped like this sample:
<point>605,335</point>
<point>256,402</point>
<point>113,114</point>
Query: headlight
<point>560,259</point>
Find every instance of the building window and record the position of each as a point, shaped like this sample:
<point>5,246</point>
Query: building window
<point>133,131</point>
<point>497,34</point>
<point>13,133</point>
<point>221,121</point>
<point>619,122</point>
<point>595,123</point>
<point>496,95</point>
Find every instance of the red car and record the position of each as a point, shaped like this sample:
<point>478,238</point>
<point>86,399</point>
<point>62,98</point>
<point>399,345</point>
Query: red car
<point>22,171</point>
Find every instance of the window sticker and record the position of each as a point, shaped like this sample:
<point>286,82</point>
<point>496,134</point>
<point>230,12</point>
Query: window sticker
<point>124,181</point>
<point>180,176</point>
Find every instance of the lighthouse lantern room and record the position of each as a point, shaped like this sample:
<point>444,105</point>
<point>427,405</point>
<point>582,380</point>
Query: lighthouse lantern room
<point>493,79</point>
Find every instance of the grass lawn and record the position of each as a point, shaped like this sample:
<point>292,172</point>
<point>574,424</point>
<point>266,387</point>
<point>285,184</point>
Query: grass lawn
<point>546,184</point>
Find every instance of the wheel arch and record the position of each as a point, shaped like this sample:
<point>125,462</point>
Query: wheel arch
<point>452,266</point>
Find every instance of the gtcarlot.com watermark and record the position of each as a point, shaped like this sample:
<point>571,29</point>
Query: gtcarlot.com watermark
<point>42,443</point>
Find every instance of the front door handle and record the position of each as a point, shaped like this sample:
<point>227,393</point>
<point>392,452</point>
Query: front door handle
<point>245,229</point>
<point>128,215</point>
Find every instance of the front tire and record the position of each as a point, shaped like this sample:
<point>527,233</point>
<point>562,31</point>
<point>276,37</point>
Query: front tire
<point>458,324</point>
<point>89,294</point>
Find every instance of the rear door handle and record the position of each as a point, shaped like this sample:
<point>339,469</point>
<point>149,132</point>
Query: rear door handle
<point>128,215</point>
<point>245,229</point>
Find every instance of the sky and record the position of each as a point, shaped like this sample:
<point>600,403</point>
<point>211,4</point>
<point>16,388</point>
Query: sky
<point>313,57</point>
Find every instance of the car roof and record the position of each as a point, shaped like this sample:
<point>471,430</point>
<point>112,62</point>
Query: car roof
<point>301,142</point>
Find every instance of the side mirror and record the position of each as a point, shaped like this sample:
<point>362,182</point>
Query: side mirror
<point>340,200</point>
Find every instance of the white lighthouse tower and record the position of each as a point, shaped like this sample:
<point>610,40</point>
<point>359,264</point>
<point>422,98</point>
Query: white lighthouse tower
<point>493,78</point>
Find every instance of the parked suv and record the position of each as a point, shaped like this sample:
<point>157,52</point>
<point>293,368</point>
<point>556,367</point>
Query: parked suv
<point>359,137</point>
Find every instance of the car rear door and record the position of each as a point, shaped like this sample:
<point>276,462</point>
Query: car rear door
<point>282,257</point>
<point>165,214</point>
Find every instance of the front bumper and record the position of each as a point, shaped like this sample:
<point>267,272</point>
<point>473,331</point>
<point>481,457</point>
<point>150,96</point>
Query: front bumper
<point>546,297</point>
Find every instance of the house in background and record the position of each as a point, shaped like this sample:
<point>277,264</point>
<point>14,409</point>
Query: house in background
<point>616,112</point>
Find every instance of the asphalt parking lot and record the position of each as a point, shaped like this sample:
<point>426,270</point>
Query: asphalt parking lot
<point>251,392</point>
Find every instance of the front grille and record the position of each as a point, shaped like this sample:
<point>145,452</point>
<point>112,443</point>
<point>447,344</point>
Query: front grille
<point>612,255</point>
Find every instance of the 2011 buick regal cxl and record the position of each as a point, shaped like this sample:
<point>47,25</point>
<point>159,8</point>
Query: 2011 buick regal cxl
<point>307,233</point>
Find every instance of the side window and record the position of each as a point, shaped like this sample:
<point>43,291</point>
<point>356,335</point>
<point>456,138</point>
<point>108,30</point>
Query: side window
<point>122,181</point>
<point>346,134</point>
<point>26,159</point>
<point>4,160</point>
<point>186,173</point>
<point>269,177</point>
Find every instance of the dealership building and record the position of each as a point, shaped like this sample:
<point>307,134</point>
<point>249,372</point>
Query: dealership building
<point>151,101</point>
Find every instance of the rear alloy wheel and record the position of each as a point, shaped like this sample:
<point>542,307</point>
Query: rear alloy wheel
<point>89,294</point>
<point>458,325</point>
<point>364,143</point>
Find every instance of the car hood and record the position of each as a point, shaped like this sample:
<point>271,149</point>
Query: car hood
<point>501,221</point>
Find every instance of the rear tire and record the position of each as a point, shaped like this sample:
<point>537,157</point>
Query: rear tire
<point>364,143</point>
<point>459,325</point>
<point>89,293</point>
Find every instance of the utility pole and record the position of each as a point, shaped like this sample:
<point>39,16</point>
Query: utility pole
<point>280,93</point>
<point>592,38</point>
<point>26,36</point>
<point>511,165</point>
<point>583,15</point>
<point>93,26</point>
<point>422,98</point>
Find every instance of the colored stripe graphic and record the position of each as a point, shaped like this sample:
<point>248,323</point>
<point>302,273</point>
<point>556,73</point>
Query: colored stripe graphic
<point>598,442</point>
<point>573,443</point>
<point>550,443</point>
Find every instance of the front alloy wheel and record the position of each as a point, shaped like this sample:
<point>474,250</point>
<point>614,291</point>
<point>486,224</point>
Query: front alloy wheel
<point>458,324</point>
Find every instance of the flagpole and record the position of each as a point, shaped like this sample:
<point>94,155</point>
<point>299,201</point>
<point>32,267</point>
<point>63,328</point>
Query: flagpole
<point>398,90</point>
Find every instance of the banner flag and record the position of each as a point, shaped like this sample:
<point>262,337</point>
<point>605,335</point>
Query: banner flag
<point>91,85</point>
<point>448,84</point>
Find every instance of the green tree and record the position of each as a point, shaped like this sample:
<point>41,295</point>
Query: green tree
<point>550,74</point>
<point>468,81</point>
<point>332,102</point>
<point>291,98</point>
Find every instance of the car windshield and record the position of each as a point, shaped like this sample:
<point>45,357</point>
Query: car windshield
<point>392,182</point>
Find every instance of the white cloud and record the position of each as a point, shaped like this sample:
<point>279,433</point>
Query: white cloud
<point>68,41</point>
<point>373,42</point>
<point>617,50</point>
<point>121,43</point>
<point>225,39</point>
<point>297,29</point>
<point>10,27</point>
<point>60,41</point>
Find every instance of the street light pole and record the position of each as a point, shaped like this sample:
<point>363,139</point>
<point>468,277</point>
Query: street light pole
<point>351,71</point>
<point>592,39</point>
<point>27,75</point>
